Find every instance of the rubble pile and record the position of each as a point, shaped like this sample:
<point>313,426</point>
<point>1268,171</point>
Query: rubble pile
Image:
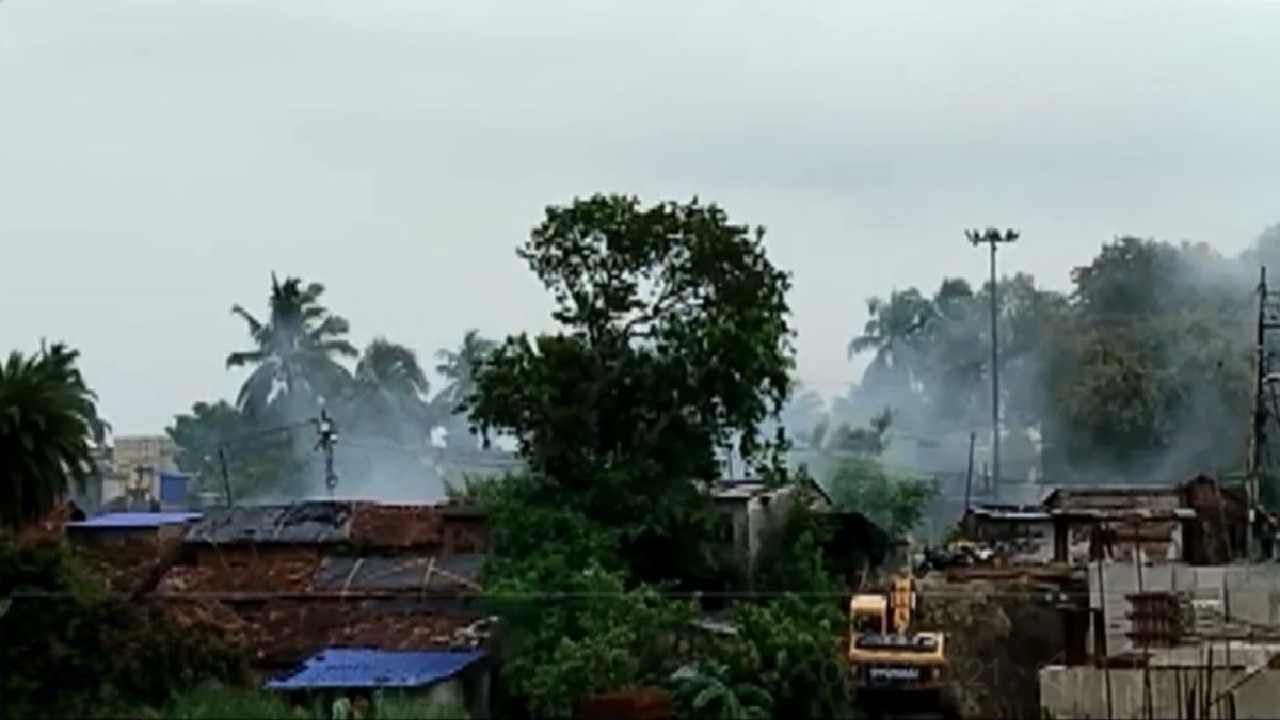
<point>281,633</point>
<point>257,569</point>
<point>997,638</point>
<point>131,565</point>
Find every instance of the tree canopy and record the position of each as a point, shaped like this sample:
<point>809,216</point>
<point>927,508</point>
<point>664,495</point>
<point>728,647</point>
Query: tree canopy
<point>296,353</point>
<point>48,424</point>
<point>675,345</point>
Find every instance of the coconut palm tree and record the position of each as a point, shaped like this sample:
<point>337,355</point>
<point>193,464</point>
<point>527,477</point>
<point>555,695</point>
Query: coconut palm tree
<point>296,352</point>
<point>459,368</point>
<point>48,422</point>
<point>390,395</point>
<point>391,369</point>
<point>893,328</point>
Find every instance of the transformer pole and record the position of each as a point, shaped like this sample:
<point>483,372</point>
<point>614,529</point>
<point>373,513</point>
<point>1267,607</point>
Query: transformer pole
<point>328,438</point>
<point>993,237</point>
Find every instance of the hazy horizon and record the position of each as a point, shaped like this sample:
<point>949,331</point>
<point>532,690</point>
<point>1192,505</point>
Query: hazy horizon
<point>161,159</point>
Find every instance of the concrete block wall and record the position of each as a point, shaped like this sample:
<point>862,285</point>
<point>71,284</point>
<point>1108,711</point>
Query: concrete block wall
<point>1080,692</point>
<point>1252,591</point>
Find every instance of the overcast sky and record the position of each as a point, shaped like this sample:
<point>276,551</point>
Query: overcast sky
<point>159,159</point>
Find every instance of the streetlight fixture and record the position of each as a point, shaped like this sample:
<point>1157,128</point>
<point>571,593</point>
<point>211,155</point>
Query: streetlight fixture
<point>993,237</point>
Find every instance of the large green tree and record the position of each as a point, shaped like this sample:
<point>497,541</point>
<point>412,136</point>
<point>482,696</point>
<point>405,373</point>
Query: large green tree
<point>257,459</point>
<point>295,354</point>
<point>1153,368</point>
<point>48,422</point>
<point>932,362</point>
<point>675,343</point>
<point>896,333</point>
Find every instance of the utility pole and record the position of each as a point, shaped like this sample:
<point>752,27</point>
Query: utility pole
<point>993,237</point>
<point>142,487</point>
<point>226,478</point>
<point>328,438</point>
<point>968,478</point>
<point>1267,320</point>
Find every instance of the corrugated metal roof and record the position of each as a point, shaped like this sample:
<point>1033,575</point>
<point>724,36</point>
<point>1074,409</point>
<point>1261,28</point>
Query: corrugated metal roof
<point>136,519</point>
<point>306,522</point>
<point>350,668</point>
<point>1012,515</point>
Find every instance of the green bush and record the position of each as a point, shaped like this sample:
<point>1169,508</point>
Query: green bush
<point>69,649</point>
<point>569,634</point>
<point>704,690</point>
<point>791,649</point>
<point>791,559</point>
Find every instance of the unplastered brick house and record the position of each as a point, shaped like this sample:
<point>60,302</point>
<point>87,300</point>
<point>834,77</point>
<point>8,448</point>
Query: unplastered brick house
<point>288,581</point>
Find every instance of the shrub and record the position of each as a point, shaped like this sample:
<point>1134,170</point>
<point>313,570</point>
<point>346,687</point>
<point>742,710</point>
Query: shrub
<point>791,649</point>
<point>69,649</point>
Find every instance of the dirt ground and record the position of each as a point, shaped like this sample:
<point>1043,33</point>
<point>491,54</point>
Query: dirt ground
<point>998,636</point>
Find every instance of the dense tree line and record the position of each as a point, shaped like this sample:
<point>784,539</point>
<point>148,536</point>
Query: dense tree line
<point>1142,371</point>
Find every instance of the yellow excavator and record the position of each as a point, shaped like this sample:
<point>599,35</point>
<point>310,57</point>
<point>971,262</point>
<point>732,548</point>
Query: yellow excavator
<point>893,668</point>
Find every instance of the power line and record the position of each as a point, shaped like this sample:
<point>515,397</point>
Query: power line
<point>259,435</point>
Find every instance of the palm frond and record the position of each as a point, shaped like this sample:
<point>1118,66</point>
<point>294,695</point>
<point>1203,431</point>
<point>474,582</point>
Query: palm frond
<point>331,327</point>
<point>249,357</point>
<point>338,347</point>
<point>255,325</point>
<point>863,343</point>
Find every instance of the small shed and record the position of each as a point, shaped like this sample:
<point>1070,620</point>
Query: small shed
<point>124,527</point>
<point>1023,535</point>
<point>1198,521</point>
<point>460,678</point>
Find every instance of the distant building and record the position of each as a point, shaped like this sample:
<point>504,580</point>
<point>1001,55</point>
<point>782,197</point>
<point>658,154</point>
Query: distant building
<point>138,462</point>
<point>749,510</point>
<point>1198,521</point>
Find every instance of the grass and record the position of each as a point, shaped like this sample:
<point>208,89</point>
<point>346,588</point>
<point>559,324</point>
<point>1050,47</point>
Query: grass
<point>412,709</point>
<point>226,703</point>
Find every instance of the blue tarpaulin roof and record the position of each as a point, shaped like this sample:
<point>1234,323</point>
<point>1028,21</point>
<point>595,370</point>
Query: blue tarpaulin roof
<point>350,668</point>
<point>136,519</point>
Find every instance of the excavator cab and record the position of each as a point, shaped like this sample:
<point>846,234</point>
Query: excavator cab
<point>868,615</point>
